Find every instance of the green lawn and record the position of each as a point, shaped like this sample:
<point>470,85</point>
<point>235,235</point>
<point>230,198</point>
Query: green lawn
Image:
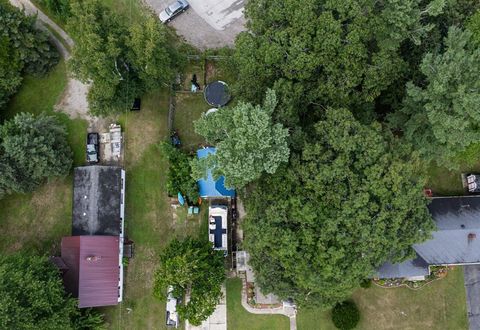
<point>39,95</point>
<point>239,319</point>
<point>38,220</point>
<point>149,217</point>
<point>439,305</point>
<point>189,108</point>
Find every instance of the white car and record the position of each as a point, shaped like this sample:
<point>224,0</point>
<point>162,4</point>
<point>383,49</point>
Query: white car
<point>171,316</point>
<point>217,227</point>
<point>173,10</point>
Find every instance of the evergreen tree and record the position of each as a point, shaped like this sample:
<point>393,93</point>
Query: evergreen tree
<point>32,149</point>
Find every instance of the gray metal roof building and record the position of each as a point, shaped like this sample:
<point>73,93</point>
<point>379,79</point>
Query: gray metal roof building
<point>456,240</point>
<point>408,268</point>
<point>98,200</point>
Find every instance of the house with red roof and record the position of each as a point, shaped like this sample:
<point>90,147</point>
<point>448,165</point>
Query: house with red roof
<point>91,259</point>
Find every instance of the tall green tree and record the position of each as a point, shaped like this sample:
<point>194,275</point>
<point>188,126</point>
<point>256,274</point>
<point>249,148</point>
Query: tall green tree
<point>441,117</point>
<point>32,297</point>
<point>474,26</point>
<point>179,177</point>
<point>247,142</point>
<point>337,53</point>
<point>123,61</point>
<point>348,202</point>
<point>32,149</point>
<point>192,267</point>
<point>23,49</point>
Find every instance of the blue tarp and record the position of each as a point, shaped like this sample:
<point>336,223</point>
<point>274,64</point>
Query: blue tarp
<point>181,200</point>
<point>210,187</point>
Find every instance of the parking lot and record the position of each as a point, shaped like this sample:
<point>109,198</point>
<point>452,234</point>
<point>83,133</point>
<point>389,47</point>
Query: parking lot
<point>207,23</point>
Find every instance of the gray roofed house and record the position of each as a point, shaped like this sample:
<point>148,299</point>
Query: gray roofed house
<point>456,240</point>
<point>412,268</point>
<point>98,200</point>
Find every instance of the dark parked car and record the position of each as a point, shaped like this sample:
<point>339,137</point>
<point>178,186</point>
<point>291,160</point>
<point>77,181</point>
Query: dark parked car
<point>93,143</point>
<point>173,10</point>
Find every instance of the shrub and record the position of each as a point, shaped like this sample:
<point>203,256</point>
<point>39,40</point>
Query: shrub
<point>179,177</point>
<point>366,283</point>
<point>61,8</point>
<point>345,315</point>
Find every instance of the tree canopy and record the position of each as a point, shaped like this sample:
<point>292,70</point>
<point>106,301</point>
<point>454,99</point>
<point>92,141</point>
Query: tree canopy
<point>32,149</point>
<point>123,61</point>
<point>193,268</point>
<point>23,49</point>
<point>338,53</point>
<point>350,200</point>
<point>247,142</point>
<point>441,117</point>
<point>32,297</point>
<point>179,179</point>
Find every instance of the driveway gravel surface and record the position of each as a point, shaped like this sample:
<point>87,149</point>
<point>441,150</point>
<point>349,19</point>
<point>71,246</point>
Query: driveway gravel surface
<point>207,23</point>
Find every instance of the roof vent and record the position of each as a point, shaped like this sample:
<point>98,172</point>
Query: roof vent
<point>471,237</point>
<point>93,258</point>
<point>462,226</point>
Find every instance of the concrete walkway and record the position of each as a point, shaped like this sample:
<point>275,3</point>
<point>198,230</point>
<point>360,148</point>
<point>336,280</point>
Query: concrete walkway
<point>472,287</point>
<point>291,313</point>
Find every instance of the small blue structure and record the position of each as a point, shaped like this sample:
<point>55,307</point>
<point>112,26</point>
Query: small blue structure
<point>210,188</point>
<point>181,200</point>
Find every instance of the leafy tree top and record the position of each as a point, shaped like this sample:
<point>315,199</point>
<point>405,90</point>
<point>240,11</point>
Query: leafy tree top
<point>337,53</point>
<point>247,142</point>
<point>349,202</point>
<point>441,116</point>
<point>122,60</point>
<point>31,150</point>
<point>192,267</point>
<point>32,297</point>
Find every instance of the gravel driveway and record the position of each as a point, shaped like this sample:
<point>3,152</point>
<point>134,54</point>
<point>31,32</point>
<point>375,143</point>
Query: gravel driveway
<point>207,23</point>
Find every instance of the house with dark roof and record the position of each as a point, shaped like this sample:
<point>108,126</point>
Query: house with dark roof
<point>456,240</point>
<point>208,187</point>
<point>98,200</point>
<point>92,257</point>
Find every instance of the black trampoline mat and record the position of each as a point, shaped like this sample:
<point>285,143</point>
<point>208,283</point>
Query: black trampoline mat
<point>217,94</point>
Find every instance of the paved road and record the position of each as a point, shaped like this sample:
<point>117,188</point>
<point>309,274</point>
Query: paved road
<point>206,25</point>
<point>472,286</point>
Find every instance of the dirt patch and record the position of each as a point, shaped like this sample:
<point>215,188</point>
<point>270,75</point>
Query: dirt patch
<point>74,100</point>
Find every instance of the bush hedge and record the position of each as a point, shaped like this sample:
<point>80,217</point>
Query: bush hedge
<point>345,315</point>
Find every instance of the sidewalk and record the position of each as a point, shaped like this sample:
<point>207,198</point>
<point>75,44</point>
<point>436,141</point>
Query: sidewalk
<point>291,313</point>
<point>216,321</point>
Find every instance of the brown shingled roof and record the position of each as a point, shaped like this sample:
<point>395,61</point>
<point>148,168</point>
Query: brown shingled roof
<point>93,273</point>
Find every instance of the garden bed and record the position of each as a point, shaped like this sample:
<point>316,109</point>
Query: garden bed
<point>437,273</point>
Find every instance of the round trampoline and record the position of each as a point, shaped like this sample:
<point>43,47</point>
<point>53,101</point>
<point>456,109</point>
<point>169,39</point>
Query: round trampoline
<point>217,94</point>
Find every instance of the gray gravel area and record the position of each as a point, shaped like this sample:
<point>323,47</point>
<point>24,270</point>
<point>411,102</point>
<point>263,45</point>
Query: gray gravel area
<point>472,286</point>
<point>214,32</point>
